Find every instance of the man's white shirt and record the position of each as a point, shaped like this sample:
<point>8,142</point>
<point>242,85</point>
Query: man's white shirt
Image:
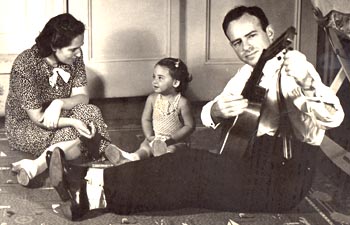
<point>309,116</point>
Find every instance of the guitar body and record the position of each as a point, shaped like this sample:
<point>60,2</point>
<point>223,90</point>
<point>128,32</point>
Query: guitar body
<point>239,133</point>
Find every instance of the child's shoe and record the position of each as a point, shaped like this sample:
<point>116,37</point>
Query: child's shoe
<point>116,156</point>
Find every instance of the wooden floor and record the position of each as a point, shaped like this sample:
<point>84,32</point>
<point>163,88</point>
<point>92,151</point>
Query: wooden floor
<point>327,203</point>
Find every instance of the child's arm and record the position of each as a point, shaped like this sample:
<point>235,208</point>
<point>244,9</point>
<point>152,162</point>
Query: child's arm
<point>146,120</point>
<point>189,123</point>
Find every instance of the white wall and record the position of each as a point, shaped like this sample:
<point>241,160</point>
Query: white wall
<point>121,49</point>
<point>123,44</point>
<point>20,23</point>
<point>123,41</point>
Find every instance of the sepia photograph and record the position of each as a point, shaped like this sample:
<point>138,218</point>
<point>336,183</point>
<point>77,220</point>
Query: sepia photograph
<point>175,112</point>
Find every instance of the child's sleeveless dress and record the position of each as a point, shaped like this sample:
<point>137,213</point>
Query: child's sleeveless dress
<point>166,118</point>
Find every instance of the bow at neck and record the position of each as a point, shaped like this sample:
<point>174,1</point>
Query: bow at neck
<point>58,72</point>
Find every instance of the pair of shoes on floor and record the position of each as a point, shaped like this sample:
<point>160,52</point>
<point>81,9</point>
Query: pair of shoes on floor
<point>115,155</point>
<point>70,209</point>
<point>25,170</point>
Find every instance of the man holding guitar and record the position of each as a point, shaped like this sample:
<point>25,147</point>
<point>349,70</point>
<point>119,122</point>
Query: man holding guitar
<point>274,170</point>
<point>296,110</point>
<point>250,34</point>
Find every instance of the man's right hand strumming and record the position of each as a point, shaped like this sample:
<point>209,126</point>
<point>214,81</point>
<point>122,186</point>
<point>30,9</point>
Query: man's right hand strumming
<point>228,106</point>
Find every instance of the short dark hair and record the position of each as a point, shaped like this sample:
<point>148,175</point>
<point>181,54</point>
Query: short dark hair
<point>177,70</point>
<point>239,11</point>
<point>58,32</point>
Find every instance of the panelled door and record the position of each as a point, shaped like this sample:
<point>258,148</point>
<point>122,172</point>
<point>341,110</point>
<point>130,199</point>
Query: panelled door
<point>123,41</point>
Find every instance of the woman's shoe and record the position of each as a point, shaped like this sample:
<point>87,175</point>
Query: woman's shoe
<point>23,178</point>
<point>26,170</point>
<point>92,145</point>
<point>57,174</point>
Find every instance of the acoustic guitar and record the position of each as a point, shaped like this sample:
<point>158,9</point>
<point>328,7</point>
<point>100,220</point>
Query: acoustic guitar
<point>238,133</point>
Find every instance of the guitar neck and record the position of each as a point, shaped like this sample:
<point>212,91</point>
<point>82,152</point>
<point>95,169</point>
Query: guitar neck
<point>277,46</point>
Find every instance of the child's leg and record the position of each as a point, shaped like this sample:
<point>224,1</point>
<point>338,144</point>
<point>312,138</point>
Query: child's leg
<point>145,151</point>
<point>118,156</point>
<point>173,148</point>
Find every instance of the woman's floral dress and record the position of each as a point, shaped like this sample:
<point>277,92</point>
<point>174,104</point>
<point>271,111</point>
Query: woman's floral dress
<point>30,89</point>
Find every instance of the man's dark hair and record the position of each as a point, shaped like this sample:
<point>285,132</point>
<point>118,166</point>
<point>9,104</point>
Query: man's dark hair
<point>58,33</point>
<point>239,11</point>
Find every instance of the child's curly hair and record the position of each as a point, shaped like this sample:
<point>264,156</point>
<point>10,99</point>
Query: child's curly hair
<point>177,70</point>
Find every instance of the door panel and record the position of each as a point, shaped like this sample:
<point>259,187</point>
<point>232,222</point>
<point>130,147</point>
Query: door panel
<point>124,39</point>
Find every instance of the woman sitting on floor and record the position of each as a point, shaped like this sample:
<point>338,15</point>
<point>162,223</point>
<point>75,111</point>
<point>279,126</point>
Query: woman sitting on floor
<point>47,105</point>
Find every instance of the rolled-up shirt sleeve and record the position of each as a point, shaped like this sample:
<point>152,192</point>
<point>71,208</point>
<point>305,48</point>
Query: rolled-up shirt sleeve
<point>234,86</point>
<point>324,108</point>
<point>312,115</point>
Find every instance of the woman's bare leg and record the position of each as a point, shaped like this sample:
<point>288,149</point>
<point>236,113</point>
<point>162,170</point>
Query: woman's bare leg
<point>71,151</point>
<point>28,169</point>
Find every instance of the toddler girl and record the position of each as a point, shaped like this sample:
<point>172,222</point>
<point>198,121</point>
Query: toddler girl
<point>167,119</point>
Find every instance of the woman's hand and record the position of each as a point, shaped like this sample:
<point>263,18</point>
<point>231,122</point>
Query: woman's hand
<point>52,114</point>
<point>87,131</point>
